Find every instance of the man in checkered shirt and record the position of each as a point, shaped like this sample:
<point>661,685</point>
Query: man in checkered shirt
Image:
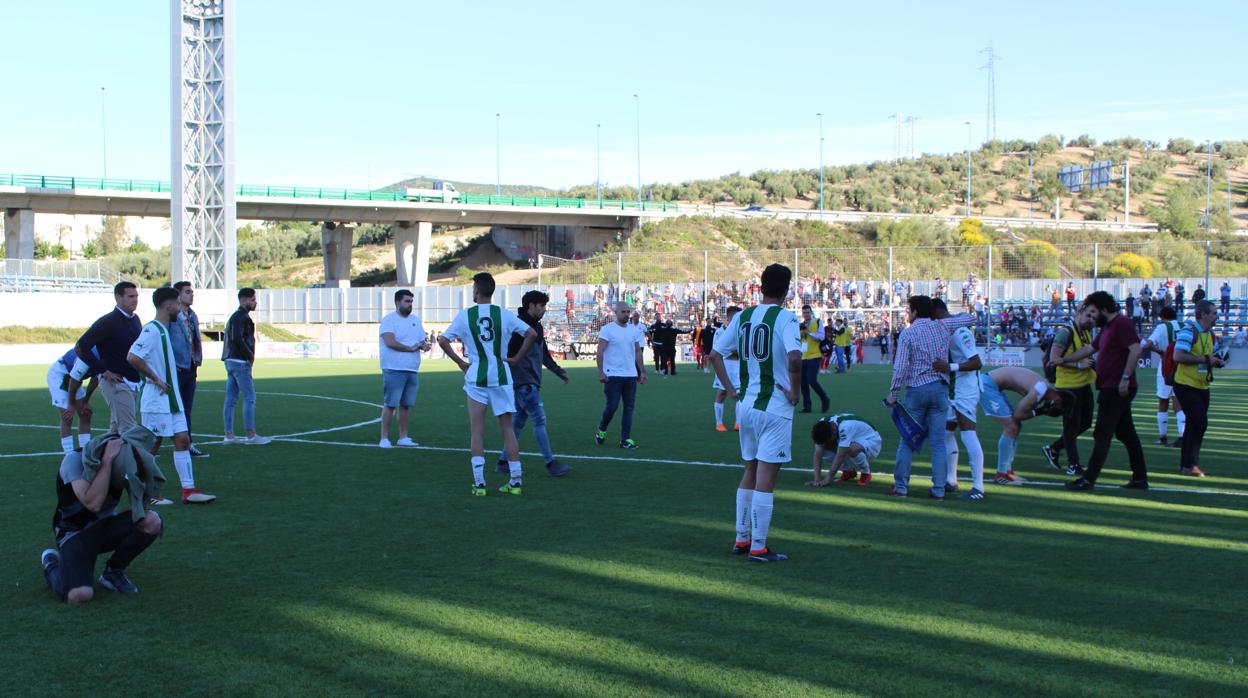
<point>927,391</point>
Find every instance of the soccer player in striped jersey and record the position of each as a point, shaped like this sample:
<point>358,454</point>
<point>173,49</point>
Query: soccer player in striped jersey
<point>733,365</point>
<point>850,443</point>
<point>485,330</point>
<point>160,401</point>
<point>60,376</point>
<point>767,340</point>
<point>963,368</point>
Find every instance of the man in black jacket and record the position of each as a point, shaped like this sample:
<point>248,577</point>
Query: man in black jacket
<point>111,337</point>
<point>239,353</point>
<point>526,377</point>
<point>667,334</point>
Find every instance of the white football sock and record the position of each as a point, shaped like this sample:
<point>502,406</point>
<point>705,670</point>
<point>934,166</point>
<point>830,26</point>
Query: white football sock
<point>182,463</point>
<point>514,467</point>
<point>83,439</point>
<point>744,498</point>
<point>67,443</point>
<point>974,456</point>
<point>478,469</point>
<point>760,519</point>
<point>1161,423</point>
<point>736,414</point>
<point>861,463</point>
<point>719,413</point>
<point>1006,446</point>
<point>951,455</point>
<point>1181,418</point>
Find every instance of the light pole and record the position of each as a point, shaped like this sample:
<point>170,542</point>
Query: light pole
<point>1208,181</point>
<point>820,115</point>
<point>598,171</point>
<point>968,169</point>
<point>498,157</point>
<point>103,135</point>
<point>637,103</point>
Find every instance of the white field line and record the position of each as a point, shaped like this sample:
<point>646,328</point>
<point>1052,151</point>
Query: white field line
<point>294,438</point>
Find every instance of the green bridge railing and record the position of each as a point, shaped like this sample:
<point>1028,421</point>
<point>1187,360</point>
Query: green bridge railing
<point>145,185</point>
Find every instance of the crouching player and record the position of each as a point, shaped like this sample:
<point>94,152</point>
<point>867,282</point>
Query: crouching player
<point>850,442</point>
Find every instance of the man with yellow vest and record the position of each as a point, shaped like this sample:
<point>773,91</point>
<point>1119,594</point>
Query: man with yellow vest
<point>841,337</point>
<point>1195,360</point>
<point>1077,379</point>
<point>811,336</point>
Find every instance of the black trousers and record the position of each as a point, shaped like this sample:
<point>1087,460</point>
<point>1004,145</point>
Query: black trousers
<point>1113,419</point>
<point>669,360</point>
<point>116,534</point>
<point>1196,406</point>
<point>659,355</point>
<point>187,378</point>
<point>810,379</point>
<point>1074,423</point>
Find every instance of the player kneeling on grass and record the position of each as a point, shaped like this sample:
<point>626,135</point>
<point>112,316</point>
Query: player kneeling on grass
<point>485,330</point>
<point>86,524</point>
<point>160,401</point>
<point>1038,399</point>
<point>850,442</point>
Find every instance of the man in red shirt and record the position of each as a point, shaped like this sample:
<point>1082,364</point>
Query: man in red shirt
<point>1117,349</point>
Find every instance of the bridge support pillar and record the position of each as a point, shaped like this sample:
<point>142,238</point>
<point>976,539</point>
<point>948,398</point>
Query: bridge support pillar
<point>411,252</point>
<point>19,233</point>
<point>336,240</point>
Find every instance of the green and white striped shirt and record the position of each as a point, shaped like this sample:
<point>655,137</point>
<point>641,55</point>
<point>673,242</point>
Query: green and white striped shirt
<point>763,336</point>
<point>485,330</point>
<point>154,347</point>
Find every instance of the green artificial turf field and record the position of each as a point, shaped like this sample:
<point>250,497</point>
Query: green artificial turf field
<point>330,566</point>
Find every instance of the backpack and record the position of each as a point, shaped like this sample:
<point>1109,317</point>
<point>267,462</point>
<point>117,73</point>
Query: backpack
<point>1050,370</point>
<point>1168,365</point>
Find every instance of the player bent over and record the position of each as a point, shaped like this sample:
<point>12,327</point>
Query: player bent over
<point>850,442</point>
<point>1038,398</point>
<point>78,403</point>
<point>485,330</point>
<point>733,366</point>
<point>767,339</point>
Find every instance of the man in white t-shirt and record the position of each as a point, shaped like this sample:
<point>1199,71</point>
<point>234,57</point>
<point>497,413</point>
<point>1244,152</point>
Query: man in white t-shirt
<point>621,369</point>
<point>963,367</point>
<point>767,338</point>
<point>1158,342</point>
<point>402,339</point>
<point>160,401</point>
<point>485,329</point>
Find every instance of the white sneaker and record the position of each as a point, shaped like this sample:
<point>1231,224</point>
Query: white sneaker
<point>159,502</point>
<point>406,442</point>
<point>231,440</point>
<point>384,443</point>
<point>257,440</point>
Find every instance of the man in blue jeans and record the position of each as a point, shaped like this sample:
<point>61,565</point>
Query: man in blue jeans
<point>526,376</point>
<point>620,370</point>
<point>239,353</point>
<point>927,391</point>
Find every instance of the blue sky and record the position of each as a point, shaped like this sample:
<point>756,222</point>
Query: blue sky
<point>365,92</point>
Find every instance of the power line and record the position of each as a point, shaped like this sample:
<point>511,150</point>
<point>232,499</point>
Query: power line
<point>990,124</point>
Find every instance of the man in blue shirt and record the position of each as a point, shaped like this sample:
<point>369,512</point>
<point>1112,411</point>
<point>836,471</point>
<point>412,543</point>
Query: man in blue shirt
<point>188,353</point>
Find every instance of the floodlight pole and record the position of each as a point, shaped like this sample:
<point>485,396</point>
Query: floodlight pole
<point>1126,194</point>
<point>103,137</point>
<point>968,169</point>
<point>1208,180</point>
<point>637,104</point>
<point>598,174</point>
<point>820,115</point>
<point>498,157</point>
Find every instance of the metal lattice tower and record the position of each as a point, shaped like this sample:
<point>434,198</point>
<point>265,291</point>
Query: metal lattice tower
<point>990,124</point>
<point>202,92</point>
<point>910,135</point>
